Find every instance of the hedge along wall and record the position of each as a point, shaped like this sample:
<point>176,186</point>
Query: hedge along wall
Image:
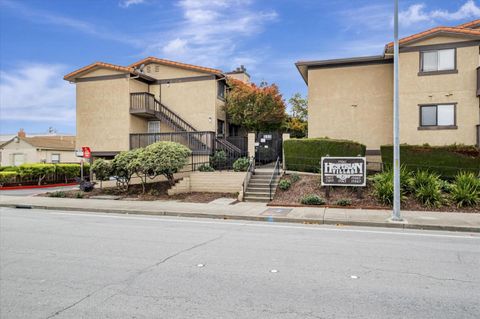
<point>304,155</point>
<point>40,173</point>
<point>444,160</point>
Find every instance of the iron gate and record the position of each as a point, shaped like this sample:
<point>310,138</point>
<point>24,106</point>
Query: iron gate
<point>268,147</point>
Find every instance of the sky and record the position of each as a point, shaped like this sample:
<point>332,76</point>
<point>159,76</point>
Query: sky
<point>42,40</point>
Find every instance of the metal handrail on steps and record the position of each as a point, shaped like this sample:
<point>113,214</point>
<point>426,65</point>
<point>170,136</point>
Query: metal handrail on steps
<point>250,172</point>
<point>276,172</point>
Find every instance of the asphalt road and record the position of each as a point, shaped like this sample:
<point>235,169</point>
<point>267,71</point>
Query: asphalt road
<point>80,265</point>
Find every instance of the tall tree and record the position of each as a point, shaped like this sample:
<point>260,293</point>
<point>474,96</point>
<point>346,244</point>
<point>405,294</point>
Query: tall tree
<point>299,107</point>
<point>257,108</point>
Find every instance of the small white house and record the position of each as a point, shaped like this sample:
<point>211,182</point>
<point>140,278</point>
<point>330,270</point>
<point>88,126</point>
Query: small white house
<point>39,149</point>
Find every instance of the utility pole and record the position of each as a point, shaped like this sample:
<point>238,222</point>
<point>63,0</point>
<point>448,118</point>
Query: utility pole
<point>396,216</point>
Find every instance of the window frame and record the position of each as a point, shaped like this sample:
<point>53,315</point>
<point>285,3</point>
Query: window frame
<point>437,127</point>
<point>222,84</point>
<point>420,66</point>
<point>59,158</point>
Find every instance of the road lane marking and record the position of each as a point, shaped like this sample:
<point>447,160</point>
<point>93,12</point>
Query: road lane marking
<point>318,227</point>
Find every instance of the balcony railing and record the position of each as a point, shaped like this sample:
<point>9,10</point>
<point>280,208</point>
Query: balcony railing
<point>198,142</point>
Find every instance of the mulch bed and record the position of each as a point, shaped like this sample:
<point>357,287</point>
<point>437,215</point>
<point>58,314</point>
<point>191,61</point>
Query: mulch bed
<point>309,184</point>
<point>153,191</point>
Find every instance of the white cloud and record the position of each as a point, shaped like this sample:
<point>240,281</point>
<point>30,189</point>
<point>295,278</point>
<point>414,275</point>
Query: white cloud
<point>417,13</point>
<point>212,33</point>
<point>46,17</point>
<point>128,3</point>
<point>37,93</point>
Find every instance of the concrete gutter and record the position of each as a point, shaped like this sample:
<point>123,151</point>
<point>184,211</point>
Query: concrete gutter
<point>464,222</point>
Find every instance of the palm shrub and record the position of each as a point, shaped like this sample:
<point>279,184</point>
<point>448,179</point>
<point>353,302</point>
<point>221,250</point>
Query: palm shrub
<point>241,164</point>
<point>426,187</point>
<point>466,189</point>
<point>383,185</point>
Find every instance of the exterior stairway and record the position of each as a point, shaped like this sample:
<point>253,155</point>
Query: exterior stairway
<point>258,189</point>
<point>145,104</point>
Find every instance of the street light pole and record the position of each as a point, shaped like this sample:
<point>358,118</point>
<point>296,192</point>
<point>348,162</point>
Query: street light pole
<point>396,216</point>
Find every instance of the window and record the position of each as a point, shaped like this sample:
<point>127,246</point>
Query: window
<point>438,61</point>
<point>220,128</point>
<point>55,158</point>
<point>221,89</point>
<point>18,159</point>
<point>437,116</point>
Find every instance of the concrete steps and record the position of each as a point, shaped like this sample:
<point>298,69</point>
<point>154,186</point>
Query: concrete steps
<point>258,189</point>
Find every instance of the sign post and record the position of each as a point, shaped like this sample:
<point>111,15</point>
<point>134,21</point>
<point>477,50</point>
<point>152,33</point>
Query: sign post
<point>396,216</point>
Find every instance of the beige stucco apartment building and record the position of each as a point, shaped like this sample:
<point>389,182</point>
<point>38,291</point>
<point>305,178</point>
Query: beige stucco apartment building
<point>124,107</point>
<point>439,71</point>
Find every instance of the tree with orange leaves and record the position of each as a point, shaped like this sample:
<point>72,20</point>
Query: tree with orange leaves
<point>257,108</point>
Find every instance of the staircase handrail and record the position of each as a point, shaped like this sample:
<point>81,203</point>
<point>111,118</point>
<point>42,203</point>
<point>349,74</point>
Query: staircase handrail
<point>276,171</point>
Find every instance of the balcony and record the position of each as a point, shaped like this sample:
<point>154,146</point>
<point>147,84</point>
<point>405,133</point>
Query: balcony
<point>143,104</point>
<point>198,142</point>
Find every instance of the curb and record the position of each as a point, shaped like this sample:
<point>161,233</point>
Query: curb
<point>255,218</point>
<point>9,188</point>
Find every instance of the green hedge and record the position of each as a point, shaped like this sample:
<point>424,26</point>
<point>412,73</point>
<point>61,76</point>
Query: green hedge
<point>446,161</point>
<point>41,172</point>
<point>304,155</point>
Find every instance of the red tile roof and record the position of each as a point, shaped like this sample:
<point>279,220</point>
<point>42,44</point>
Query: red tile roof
<point>470,24</point>
<point>454,30</point>
<point>176,64</point>
<point>71,75</point>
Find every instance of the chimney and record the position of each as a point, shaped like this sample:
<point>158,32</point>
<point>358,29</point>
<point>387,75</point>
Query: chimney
<point>240,73</point>
<point>21,133</point>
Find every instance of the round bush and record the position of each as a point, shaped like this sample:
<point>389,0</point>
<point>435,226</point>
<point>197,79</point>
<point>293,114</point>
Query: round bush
<point>241,164</point>
<point>312,199</point>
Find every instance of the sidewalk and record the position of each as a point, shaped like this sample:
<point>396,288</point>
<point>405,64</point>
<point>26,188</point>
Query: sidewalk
<point>467,222</point>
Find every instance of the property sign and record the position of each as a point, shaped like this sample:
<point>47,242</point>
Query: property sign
<point>87,153</point>
<point>344,171</point>
<point>78,153</point>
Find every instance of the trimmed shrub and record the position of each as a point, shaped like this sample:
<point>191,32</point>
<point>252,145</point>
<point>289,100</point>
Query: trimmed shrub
<point>241,164</point>
<point>123,168</point>
<point>304,155</point>
<point>166,158</point>
<point>284,184</point>
<point>446,161</point>
<point>343,202</point>
<point>102,170</point>
<point>8,177</point>
<point>294,177</point>
<point>8,168</point>
<point>206,168</point>
<point>466,190</point>
<point>312,199</point>
<point>36,171</point>
<point>218,160</point>
<point>70,171</point>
